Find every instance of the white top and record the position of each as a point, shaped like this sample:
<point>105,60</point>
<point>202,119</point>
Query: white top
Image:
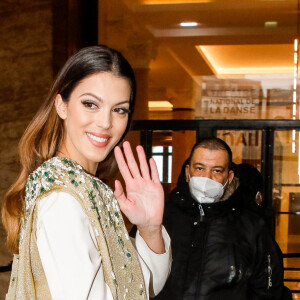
<point>71,259</point>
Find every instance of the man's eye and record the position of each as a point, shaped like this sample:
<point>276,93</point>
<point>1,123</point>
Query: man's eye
<point>218,171</point>
<point>199,168</point>
<point>121,110</point>
<point>89,104</point>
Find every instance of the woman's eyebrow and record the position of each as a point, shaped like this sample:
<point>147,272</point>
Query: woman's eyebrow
<point>101,100</point>
<point>123,102</point>
<point>93,95</point>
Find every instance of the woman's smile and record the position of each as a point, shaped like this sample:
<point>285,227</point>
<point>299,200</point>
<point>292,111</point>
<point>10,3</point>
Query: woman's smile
<point>95,118</point>
<point>98,140</point>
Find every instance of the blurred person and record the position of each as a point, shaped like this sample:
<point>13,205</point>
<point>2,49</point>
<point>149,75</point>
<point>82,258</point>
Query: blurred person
<point>251,178</point>
<point>252,182</point>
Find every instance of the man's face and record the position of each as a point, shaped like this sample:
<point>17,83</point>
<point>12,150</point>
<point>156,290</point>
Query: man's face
<point>210,163</point>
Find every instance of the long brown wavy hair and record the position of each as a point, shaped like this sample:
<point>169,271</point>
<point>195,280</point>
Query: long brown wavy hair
<point>45,133</point>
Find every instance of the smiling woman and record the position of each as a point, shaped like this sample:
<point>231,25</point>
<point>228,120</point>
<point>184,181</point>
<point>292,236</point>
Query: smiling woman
<point>64,224</point>
<point>96,116</point>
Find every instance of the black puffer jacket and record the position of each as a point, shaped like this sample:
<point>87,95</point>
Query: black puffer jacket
<point>226,254</point>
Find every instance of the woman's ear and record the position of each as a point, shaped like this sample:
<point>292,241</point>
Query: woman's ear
<point>60,106</point>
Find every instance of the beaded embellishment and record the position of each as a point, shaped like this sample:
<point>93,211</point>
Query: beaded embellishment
<point>121,268</point>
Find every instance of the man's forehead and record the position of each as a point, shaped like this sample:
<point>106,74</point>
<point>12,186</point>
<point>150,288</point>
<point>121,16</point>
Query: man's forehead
<point>206,156</point>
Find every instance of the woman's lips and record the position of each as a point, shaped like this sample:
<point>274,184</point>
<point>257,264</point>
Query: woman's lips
<point>99,140</point>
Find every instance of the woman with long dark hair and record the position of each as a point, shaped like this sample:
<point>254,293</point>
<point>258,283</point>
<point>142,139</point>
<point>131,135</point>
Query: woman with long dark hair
<point>63,223</point>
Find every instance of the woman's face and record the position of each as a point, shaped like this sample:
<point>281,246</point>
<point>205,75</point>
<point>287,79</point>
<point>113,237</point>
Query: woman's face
<point>95,118</point>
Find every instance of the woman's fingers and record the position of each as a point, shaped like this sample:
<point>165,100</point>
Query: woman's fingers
<point>143,162</point>
<point>131,162</point>
<point>129,167</point>
<point>154,171</point>
<point>122,163</point>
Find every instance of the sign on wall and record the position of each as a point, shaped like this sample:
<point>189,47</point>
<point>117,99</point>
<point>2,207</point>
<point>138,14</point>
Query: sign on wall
<point>228,99</point>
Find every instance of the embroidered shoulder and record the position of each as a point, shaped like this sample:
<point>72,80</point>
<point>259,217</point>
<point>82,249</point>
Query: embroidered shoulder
<point>59,173</point>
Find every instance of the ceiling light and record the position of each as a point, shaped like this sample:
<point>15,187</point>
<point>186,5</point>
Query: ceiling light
<point>249,59</point>
<point>189,24</point>
<point>162,105</point>
<point>271,24</point>
<point>296,45</point>
<point>172,2</point>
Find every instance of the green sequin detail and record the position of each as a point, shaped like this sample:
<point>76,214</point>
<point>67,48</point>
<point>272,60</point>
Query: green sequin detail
<point>60,173</point>
<point>74,182</point>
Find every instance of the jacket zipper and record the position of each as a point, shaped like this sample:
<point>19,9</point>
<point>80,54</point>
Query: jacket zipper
<point>201,212</point>
<point>269,272</point>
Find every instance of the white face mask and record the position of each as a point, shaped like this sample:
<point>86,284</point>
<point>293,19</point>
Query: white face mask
<point>206,190</point>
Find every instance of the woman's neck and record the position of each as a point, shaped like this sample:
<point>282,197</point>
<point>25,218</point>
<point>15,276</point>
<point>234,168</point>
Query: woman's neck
<point>88,167</point>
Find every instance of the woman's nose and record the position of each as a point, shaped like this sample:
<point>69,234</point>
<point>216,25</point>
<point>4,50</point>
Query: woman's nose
<point>104,119</point>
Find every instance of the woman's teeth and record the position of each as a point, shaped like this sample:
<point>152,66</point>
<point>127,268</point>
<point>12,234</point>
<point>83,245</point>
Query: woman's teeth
<point>97,139</point>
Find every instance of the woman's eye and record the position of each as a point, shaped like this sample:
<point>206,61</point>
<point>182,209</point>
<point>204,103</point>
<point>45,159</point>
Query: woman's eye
<point>121,110</point>
<point>89,104</point>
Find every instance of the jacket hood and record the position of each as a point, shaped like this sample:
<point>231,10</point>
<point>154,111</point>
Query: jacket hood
<point>232,187</point>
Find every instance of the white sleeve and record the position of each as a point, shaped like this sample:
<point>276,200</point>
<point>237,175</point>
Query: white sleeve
<point>68,251</point>
<point>155,267</point>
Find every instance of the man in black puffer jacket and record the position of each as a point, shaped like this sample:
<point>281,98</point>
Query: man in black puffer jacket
<point>220,250</point>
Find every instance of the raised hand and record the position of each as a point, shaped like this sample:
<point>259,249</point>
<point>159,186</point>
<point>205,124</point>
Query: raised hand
<point>143,202</point>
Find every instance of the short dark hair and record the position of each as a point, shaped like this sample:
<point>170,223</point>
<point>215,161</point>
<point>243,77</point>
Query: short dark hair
<point>212,144</point>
